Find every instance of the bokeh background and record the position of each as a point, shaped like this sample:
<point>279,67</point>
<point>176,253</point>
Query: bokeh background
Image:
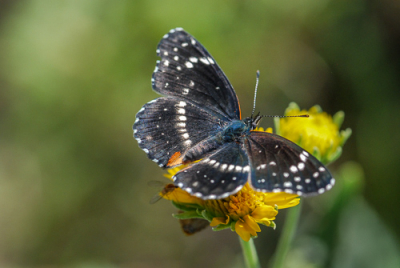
<point>74,185</point>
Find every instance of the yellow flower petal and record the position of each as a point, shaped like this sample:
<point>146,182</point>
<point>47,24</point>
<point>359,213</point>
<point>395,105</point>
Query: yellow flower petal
<point>252,225</point>
<point>180,196</point>
<point>242,230</point>
<point>264,212</point>
<point>219,220</point>
<point>282,200</point>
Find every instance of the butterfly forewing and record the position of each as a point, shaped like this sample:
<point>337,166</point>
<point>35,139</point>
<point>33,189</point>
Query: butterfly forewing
<point>166,127</point>
<point>278,164</point>
<point>188,71</point>
<point>217,176</point>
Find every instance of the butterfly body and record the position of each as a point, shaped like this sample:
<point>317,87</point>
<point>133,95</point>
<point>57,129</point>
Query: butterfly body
<point>199,119</point>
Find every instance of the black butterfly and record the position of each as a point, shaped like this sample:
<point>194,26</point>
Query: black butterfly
<point>200,118</point>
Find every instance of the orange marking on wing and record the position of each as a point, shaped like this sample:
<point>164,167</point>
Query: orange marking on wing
<point>240,110</point>
<point>175,159</point>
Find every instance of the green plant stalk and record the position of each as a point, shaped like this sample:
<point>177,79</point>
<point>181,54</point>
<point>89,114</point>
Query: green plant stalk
<point>287,235</point>
<point>250,253</point>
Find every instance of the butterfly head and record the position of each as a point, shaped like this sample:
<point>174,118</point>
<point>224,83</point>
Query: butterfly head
<point>252,122</point>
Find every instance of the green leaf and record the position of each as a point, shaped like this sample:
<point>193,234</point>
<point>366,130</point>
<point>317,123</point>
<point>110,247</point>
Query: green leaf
<point>292,106</point>
<point>335,155</point>
<point>338,118</point>
<point>345,134</point>
<point>277,124</point>
<point>221,227</point>
<point>318,108</point>
<point>207,215</point>
<point>233,225</point>
<point>186,207</point>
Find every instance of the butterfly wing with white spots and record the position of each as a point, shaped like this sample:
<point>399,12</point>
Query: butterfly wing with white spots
<point>199,96</point>
<point>220,175</point>
<point>167,127</point>
<point>278,164</point>
<point>188,71</point>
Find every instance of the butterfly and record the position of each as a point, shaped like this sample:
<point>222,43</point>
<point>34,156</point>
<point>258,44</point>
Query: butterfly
<point>198,122</point>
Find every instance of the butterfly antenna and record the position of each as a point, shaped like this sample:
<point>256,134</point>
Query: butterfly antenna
<point>255,94</point>
<point>283,116</point>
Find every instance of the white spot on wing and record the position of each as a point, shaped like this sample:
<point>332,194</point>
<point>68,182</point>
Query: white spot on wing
<point>182,118</point>
<point>287,184</point>
<point>301,166</point>
<point>185,91</point>
<point>189,64</point>
<point>293,169</point>
<point>205,61</point>
<point>193,59</point>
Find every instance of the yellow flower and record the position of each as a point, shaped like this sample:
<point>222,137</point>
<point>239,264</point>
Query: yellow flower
<point>318,134</point>
<point>245,210</point>
<point>242,212</point>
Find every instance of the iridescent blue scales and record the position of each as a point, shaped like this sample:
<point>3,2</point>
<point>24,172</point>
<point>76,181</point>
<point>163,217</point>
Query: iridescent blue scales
<point>199,119</point>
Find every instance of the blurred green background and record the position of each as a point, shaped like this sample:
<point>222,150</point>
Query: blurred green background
<point>74,184</point>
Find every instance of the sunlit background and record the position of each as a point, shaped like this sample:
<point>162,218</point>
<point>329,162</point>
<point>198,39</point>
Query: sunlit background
<point>74,185</point>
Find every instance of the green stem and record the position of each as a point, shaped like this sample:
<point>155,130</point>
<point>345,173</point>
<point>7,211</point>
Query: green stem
<point>250,253</point>
<point>287,235</point>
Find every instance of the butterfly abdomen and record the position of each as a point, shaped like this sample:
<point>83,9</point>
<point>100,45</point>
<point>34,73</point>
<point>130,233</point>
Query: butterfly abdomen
<point>204,148</point>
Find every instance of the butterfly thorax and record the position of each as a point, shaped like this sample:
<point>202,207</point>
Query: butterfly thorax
<point>239,128</point>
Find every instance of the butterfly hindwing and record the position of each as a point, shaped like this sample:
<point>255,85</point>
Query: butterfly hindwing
<point>217,176</point>
<point>188,71</point>
<point>166,127</point>
<point>278,164</point>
